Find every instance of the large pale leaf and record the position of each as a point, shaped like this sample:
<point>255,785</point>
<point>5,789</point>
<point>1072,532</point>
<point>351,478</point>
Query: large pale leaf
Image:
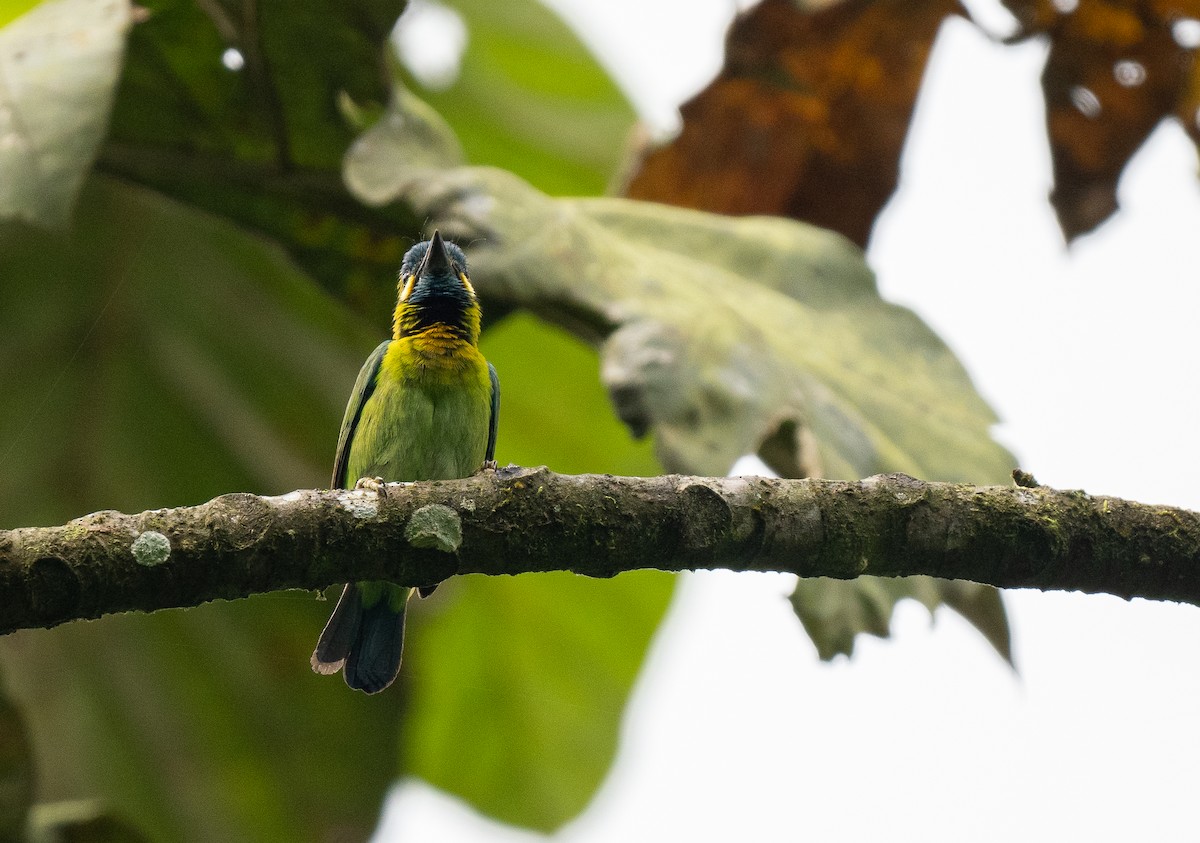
<point>58,69</point>
<point>408,131</point>
<point>530,97</point>
<point>558,415</point>
<point>10,10</point>
<point>879,373</point>
<point>731,336</point>
<point>724,336</point>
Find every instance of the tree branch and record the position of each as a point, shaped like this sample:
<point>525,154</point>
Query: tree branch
<point>519,520</point>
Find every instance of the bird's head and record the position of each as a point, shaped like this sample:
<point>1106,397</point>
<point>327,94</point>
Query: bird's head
<point>435,291</point>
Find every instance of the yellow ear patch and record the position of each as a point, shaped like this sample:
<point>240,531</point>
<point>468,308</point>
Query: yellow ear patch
<point>407,289</point>
<point>462,276</point>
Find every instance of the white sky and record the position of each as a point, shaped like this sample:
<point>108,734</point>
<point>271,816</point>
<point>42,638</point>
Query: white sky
<point>736,730</point>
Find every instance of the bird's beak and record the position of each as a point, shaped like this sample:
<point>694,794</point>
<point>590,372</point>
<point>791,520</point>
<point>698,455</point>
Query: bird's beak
<point>436,259</point>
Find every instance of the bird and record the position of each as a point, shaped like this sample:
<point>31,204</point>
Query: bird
<point>424,407</point>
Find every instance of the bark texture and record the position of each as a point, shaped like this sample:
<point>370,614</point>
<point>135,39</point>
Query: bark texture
<point>519,520</point>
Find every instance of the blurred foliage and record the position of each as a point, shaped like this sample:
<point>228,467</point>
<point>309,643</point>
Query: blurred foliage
<point>82,821</point>
<point>58,66</point>
<point>197,329</point>
<point>515,685</point>
<point>16,770</point>
<point>157,354</point>
<point>176,347</point>
<point>525,99</point>
<point>199,343</point>
<point>525,745</point>
<point>835,612</point>
<point>262,145</point>
<point>815,99</point>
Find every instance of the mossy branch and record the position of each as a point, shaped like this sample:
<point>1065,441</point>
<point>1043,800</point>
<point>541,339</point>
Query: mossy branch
<point>518,520</point>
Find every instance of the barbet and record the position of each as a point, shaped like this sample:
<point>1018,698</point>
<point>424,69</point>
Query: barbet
<point>424,407</point>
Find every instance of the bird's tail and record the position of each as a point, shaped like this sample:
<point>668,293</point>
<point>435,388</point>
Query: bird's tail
<point>364,636</point>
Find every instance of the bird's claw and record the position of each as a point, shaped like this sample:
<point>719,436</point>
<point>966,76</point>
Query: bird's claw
<point>372,484</point>
<point>490,465</point>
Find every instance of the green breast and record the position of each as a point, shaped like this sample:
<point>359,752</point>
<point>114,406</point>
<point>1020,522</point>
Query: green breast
<point>422,429</point>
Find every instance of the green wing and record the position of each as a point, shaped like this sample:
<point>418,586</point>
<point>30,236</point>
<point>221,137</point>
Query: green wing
<point>363,387</point>
<point>495,419</point>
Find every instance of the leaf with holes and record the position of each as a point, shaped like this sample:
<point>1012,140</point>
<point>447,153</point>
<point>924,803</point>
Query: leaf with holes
<point>1116,69</point>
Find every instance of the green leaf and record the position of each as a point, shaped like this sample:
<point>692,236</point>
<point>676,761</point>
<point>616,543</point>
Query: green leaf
<point>160,357</point>
<point>194,346</point>
<point>58,70</point>
<point>83,821</point>
<point>517,685</point>
<point>530,98</point>
<point>263,145</point>
<point>834,612</point>
<point>206,724</point>
<point>523,721</point>
<point>16,770</point>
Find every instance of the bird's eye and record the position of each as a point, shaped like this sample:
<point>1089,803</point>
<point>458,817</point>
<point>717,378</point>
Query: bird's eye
<point>407,289</point>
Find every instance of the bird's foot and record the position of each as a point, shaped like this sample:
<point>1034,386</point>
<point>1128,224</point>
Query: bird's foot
<point>490,465</point>
<point>372,484</point>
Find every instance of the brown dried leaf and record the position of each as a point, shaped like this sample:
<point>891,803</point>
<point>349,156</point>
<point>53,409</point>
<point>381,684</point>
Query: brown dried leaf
<point>1115,70</point>
<point>807,118</point>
